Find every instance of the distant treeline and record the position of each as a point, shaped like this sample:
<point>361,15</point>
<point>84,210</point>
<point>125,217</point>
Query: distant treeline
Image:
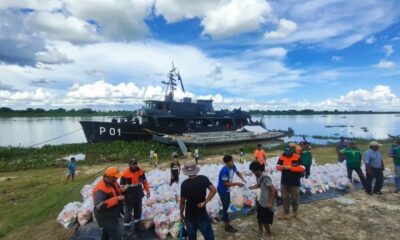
<point>59,112</point>
<point>313,112</point>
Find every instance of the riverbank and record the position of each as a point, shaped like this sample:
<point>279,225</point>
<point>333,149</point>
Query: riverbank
<point>55,156</point>
<point>32,199</point>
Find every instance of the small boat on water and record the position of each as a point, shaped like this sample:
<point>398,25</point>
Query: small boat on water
<point>169,117</point>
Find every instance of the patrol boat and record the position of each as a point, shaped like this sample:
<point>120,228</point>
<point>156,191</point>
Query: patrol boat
<point>167,117</point>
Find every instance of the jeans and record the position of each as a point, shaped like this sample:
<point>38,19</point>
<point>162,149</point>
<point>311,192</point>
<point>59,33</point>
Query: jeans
<point>376,173</point>
<point>137,208</point>
<point>203,224</point>
<point>397,177</point>
<point>290,196</point>
<point>360,174</point>
<point>226,201</point>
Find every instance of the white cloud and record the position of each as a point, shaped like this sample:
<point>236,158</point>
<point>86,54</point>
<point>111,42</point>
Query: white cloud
<point>52,56</point>
<point>335,23</point>
<point>39,95</point>
<point>60,27</point>
<point>277,53</point>
<point>235,17</point>
<point>220,18</point>
<point>337,59</point>
<point>285,28</point>
<point>40,5</point>
<point>177,10</point>
<point>385,64</point>
<point>370,40</point>
<point>388,49</point>
<point>117,20</point>
<point>146,64</point>
<point>380,97</point>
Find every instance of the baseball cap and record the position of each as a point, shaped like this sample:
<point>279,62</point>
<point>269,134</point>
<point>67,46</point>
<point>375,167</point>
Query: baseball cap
<point>112,172</point>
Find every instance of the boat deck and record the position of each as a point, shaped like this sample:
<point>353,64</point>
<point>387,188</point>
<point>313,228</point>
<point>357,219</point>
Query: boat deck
<point>209,138</point>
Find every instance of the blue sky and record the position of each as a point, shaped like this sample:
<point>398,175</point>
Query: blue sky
<point>254,54</point>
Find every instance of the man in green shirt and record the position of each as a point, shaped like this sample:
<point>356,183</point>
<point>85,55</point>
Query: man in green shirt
<point>353,161</point>
<point>395,154</point>
<point>306,157</point>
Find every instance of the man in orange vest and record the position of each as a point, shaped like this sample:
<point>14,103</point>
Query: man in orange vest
<point>260,156</point>
<point>292,171</point>
<point>134,178</point>
<point>108,202</point>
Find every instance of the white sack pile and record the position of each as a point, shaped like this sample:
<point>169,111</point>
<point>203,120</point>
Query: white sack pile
<point>161,210</point>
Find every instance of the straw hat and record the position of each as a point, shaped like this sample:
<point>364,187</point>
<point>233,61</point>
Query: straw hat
<point>190,168</point>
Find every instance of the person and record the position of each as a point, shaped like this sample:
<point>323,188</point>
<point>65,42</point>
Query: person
<point>152,155</point>
<point>193,202</point>
<point>188,155</point>
<point>108,203</point>
<point>225,181</point>
<point>352,155</point>
<point>296,148</point>
<point>306,158</point>
<point>175,169</point>
<point>395,154</point>
<point>260,156</point>
<point>155,156</point>
<point>339,146</point>
<point>134,178</point>
<point>266,203</point>
<point>374,167</point>
<point>241,154</point>
<point>71,169</point>
<point>292,171</point>
<point>196,155</point>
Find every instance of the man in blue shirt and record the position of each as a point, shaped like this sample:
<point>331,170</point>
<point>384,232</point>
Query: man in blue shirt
<point>225,181</point>
<point>71,169</point>
<point>374,167</point>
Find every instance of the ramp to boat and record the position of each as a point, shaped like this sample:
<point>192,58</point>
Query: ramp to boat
<point>182,146</point>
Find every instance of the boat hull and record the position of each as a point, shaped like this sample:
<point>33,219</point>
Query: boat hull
<point>96,132</point>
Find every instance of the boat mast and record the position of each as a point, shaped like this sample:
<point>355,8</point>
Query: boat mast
<point>173,77</point>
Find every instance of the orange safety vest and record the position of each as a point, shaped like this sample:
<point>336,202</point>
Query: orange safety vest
<point>111,192</point>
<point>134,180</point>
<point>293,162</point>
<point>260,156</point>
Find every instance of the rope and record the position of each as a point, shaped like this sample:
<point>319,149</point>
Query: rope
<point>55,138</point>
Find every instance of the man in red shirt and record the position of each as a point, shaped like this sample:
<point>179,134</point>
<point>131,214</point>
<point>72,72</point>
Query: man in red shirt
<point>260,156</point>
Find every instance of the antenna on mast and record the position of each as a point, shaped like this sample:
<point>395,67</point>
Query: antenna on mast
<point>173,76</point>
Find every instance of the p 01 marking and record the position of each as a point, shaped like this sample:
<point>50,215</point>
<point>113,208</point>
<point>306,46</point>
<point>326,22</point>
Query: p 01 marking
<point>111,131</point>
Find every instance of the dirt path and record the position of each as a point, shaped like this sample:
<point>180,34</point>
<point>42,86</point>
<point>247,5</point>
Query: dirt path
<point>371,217</point>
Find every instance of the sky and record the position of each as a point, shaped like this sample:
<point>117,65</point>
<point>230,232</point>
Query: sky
<point>253,54</point>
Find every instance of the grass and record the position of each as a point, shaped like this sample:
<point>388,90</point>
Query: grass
<point>32,199</point>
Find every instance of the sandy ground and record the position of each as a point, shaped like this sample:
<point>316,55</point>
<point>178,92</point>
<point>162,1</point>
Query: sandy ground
<point>370,217</point>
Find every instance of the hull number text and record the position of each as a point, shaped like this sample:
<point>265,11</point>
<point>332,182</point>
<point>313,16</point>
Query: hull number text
<point>111,131</point>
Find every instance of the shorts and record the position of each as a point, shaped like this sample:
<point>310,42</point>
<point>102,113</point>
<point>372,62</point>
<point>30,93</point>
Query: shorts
<point>264,215</point>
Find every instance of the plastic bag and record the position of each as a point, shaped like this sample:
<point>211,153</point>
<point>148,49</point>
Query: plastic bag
<point>67,217</point>
<point>161,226</point>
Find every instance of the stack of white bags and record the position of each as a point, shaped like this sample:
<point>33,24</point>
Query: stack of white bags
<point>161,210</point>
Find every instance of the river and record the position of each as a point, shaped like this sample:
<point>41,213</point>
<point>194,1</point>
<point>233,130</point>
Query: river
<point>29,131</point>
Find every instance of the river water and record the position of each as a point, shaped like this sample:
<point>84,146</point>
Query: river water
<point>29,131</point>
